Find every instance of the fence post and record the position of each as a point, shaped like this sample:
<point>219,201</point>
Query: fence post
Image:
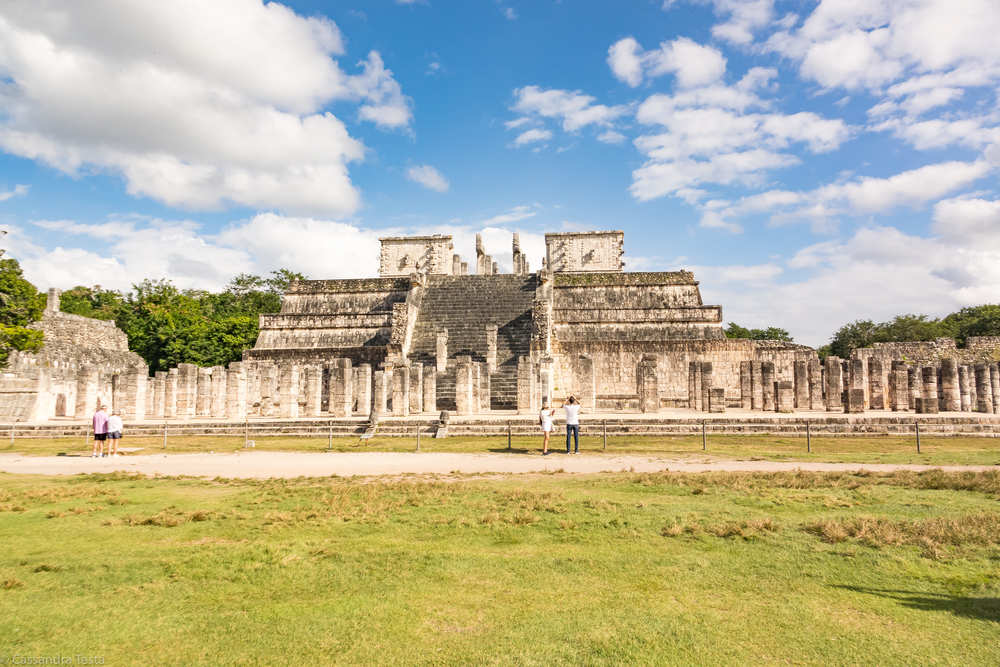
<point>917,425</point>
<point>164,435</point>
<point>418,438</point>
<point>246,431</point>
<point>604,424</point>
<point>14,423</point>
<point>508,435</point>
<point>808,439</point>
<point>704,437</point>
<point>329,437</point>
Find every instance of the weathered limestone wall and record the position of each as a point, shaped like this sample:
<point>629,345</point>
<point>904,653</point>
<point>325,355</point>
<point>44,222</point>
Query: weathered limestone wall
<point>403,255</point>
<point>585,251</point>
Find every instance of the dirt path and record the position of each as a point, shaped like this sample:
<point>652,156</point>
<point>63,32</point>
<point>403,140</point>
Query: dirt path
<point>294,464</point>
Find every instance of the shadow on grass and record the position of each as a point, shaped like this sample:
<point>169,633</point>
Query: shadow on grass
<point>983,609</point>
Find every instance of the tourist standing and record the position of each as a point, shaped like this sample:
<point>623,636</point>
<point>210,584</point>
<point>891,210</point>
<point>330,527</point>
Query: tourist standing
<point>100,432</point>
<point>572,408</point>
<point>545,419</point>
<point>114,433</point>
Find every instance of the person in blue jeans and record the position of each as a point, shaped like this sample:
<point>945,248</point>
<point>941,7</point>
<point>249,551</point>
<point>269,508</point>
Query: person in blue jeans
<point>572,408</point>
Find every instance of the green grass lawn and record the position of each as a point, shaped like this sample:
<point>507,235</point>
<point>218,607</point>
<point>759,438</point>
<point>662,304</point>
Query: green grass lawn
<point>714,568</point>
<point>872,449</point>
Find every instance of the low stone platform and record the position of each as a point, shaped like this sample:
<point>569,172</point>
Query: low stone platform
<point>496,424</point>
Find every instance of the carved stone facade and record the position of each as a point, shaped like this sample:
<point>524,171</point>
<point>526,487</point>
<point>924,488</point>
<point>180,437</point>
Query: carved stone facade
<point>403,255</point>
<point>585,251</point>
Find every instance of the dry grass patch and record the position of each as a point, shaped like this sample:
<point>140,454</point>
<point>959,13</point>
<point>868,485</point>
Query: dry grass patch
<point>931,535</point>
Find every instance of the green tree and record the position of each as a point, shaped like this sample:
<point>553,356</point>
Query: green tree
<point>860,333</point>
<point>771,333</point>
<point>93,302</point>
<point>981,320</point>
<point>20,305</point>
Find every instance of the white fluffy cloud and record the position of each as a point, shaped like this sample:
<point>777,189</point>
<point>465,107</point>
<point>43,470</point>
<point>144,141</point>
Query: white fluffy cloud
<point>18,191</point>
<point>691,63</point>
<point>532,136</point>
<point>194,104</point>
<point>429,177</point>
<point>573,109</point>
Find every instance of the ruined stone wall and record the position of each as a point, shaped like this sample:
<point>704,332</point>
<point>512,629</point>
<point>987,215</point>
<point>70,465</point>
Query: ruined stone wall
<point>403,255</point>
<point>977,349</point>
<point>585,251</point>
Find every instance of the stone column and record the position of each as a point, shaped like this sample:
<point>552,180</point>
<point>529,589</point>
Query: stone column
<point>288,391</point>
<point>694,385</point>
<point>995,387</point>
<point>430,391</point>
<point>801,374</point>
<point>341,402</point>
<point>218,391</point>
<point>856,377</point>
<point>442,350</point>
<point>746,385</point>
<point>204,393</point>
<point>544,380</point>
<point>483,385</point>
<point>963,388</point>
<point>236,391</point>
<point>855,402</point>
<point>159,395</point>
<point>363,389</point>
<point>187,390</point>
<point>756,386</point>
<point>984,389</point>
<point>928,402</point>
<point>900,386</point>
<point>951,398</point>
<point>767,385</point>
<point>717,399</point>
<point>456,265</point>
<point>815,385</point>
<point>400,391</point>
<point>706,384</point>
<point>786,393</point>
<point>648,385</point>
<point>876,382</point>
<point>491,347</point>
<point>464,403</point>
<point>133,395</point>
<point>915,380</point>
<point>314,390</point>
<point>381,394</point>
<point>526,389</point>
<point>170,395</point>
<point>586,382</point>
<point>416,388</point>
<point>834,384</point>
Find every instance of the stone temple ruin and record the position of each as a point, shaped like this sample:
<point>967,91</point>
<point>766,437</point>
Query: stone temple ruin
<point>436,333</point>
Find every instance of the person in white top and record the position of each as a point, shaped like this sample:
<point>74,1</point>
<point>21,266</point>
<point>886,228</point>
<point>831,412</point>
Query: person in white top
<point>572,408</point>
<point>114,433</point>
<point>545,419</point>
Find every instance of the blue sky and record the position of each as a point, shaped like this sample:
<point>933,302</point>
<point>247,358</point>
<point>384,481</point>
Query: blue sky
<point>813,163</point>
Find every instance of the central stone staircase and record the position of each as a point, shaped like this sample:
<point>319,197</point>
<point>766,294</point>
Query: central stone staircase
<point>465,306</point>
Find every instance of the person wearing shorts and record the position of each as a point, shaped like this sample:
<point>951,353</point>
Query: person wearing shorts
<point>545,419</point>
<point>114,433</point>
<point>100,432</point>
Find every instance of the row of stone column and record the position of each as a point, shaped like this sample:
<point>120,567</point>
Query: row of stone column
<point>402,390</point>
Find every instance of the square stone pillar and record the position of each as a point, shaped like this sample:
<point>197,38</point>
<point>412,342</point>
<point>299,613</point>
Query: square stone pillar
<point>915,379</point>
<point>900,386</point>
<point>984,389</point>
<point>465,402</point>
<point>416,388</point>
<point>400,391</point>
<point>586,382</point>
<point>746,385</point>
<point>236,391</point>
<point>313,391</point>
<point>288,391</point>
<point>834,384</point>
<point>526,386</point>
<point>756,386</point>
<point>545,379</point>
<point>341,385</point>
<point>706,385</point>
<point>430,391</point>
<point>159,395</point>
<point>483,386</point>
<point>767,385</point>
<point>928,402</point>
<point>380,394</point>
<point>995,386</point>
<point>363,389</point>
<point>786,393</point>
<point>203,393</point>
<point>963,389</point>
<point>857,377</point>
<point>876,385</point>
<point>694,385</point>
<point>442,351</point>
<point>187,390</point>
<point>815,385</point>
<point>855,400</point>
<point>218,391</point>
<point>951,395</point>
<point>717,399</point>
<point>134,382</point>
<point>801,375</point>
<point>648,384</point>
<point>491,347</point>
<point>170,394</point>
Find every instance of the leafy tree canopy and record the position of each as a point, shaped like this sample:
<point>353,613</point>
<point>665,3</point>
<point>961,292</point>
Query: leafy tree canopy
<point>972,321</point>
<point>20,305</point>
<point>771,333</point>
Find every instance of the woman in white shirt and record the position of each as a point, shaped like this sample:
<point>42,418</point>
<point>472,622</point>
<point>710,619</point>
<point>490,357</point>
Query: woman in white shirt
<point>114,433</point>
<point>545,419</point>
